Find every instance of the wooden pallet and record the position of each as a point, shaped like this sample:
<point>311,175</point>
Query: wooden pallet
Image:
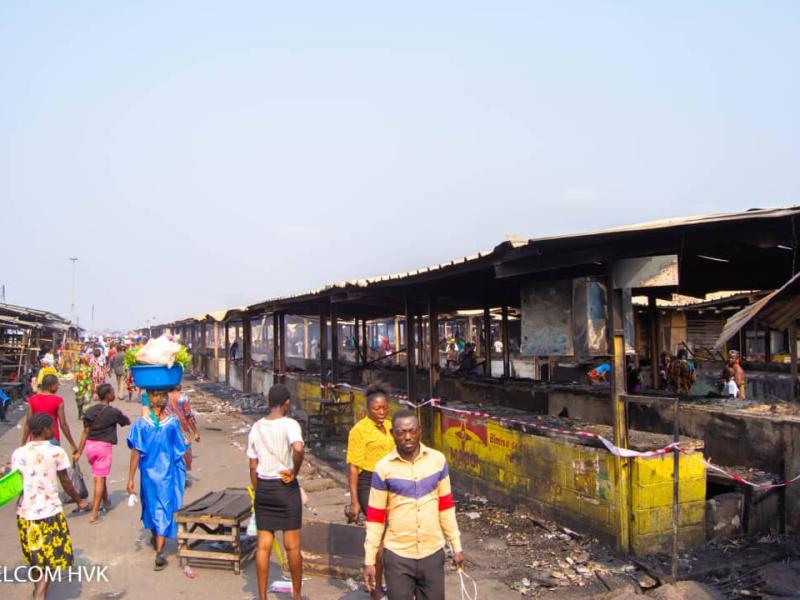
<point>216,518</point>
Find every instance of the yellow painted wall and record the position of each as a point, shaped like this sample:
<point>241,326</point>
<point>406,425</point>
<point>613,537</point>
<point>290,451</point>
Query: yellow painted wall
<point>651,503</point>
<point>573,480</point>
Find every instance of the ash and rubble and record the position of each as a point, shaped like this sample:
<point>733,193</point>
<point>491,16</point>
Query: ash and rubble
<point>535,556</point>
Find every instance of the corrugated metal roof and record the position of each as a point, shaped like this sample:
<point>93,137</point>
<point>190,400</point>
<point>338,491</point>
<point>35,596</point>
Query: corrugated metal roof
<point>753,213</point>
<point>34,312</point>
<point>777,310</point>
<point>678,301</point>
<point>516,242</point>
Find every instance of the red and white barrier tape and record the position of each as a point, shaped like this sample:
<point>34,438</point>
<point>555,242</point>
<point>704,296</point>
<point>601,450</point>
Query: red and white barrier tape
<point>737,478</point>
<point>615,450</point>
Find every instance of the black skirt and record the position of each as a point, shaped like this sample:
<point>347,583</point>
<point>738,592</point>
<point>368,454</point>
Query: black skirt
<point>364,484</point>
<point>278,505</point>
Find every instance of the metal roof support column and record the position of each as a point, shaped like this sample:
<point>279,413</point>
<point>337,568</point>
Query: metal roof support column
<point>411,370</point>
<point>433,367</point>
<point>227,353</point>
<point>334,345</point>
<point>323,346</point>
<point>487,342</point>
<point>506,349</point>
<point>616,333</point>
<point>247,336</point>
<point>282,344</point>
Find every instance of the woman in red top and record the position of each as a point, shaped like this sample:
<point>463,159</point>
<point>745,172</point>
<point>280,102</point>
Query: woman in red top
<point>52,405</point>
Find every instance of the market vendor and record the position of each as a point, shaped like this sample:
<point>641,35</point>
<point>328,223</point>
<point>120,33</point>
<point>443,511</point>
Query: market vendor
<point>157,449</point>
<point>369,441</point>
<point>599,374</point>
<point>739,377</point>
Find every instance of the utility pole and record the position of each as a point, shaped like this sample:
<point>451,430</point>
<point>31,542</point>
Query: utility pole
<point>74,260</point>
<point>4,293</point>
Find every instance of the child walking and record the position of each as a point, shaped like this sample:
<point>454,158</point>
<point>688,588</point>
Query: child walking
<point>157,448</point>
<point>41,524</point>
<point>98,440</point>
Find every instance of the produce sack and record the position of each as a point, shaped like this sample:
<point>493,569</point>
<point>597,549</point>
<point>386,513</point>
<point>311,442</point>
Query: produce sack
<point>158,351</point>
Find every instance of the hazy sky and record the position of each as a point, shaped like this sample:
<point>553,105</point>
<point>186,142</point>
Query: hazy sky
<point>197,156</point>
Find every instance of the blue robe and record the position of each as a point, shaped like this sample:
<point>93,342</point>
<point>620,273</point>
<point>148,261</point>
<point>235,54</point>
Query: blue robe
<point>162,472</point>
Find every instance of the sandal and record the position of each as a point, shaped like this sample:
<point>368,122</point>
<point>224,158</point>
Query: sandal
<point>161,562</point>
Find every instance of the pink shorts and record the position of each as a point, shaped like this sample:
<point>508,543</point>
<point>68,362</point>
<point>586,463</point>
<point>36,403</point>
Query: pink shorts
<point>99,456</point>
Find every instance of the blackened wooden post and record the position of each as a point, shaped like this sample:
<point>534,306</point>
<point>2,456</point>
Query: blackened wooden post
<point>323,345</point>
<point>247,361</point>
<point>676,457</point>
<point>433,370</point>
<point>616,342</point>
<point>506,348</point>
<point>203,351</point>
<point>334,345</point>
<point>364,341</point>
<point>356,343</point>
<point>276,361</point>
<point>397,339</point>
<point>487,342</point>
<point>305,339</point>
<point>655,353</point>
<point>411,370</point>
<point>420,341</point>
<point>227,353</point>
<point>215,370</point>
<point>282,345</point>
<point>793,355</point>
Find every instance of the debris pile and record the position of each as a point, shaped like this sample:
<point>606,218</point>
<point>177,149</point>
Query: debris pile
<point>534,555</point>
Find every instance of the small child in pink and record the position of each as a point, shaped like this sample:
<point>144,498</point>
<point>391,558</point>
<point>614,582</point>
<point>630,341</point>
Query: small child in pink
<point>98,440</point>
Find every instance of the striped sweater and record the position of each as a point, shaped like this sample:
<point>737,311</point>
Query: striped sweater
<point>415,499</point>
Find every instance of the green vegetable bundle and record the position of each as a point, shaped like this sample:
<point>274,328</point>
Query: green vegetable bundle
<point>130,356</point>
<point>183,358</point>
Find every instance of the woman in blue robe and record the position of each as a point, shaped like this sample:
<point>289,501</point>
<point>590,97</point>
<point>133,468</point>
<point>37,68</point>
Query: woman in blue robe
<point>157,449</point>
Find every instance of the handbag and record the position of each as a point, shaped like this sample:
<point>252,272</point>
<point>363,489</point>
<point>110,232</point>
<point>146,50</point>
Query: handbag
<point>76,477</point>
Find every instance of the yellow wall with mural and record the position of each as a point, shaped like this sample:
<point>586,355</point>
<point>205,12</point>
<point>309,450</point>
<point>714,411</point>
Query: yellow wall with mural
<point>573,481</point>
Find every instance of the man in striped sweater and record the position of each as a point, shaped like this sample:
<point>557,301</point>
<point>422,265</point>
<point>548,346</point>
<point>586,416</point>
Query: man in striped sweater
<point>411,510</point>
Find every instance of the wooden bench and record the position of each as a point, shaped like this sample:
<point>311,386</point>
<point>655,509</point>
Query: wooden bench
<point>210,530</point>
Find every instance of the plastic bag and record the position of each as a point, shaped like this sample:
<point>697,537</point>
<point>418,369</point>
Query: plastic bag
<point>158,351</point>
<point>132,500</point>
<point>252,529</point>
<point>76,477</point>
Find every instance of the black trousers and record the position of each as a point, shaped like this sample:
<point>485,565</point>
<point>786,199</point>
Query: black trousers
<point>410,579</point>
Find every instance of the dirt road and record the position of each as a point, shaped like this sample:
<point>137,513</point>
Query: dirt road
<point>120,543</point>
